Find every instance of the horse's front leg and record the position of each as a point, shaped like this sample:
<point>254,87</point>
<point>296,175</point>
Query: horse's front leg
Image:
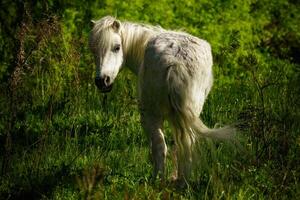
<point>152,125</point>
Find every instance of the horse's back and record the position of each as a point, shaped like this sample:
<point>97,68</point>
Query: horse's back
<point>182,58</point>
<point>168,48</point>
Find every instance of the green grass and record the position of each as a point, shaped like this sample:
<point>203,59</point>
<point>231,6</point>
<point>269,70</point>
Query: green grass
<point>103,154</point>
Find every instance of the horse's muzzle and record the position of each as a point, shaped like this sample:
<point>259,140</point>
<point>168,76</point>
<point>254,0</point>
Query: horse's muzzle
<point>103,84</point>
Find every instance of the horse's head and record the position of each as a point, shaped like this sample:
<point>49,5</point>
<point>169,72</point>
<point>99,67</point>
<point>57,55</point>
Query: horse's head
<point>106,45</point>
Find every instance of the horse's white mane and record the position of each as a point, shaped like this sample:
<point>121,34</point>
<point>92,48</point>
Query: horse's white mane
<point>100,33</point>
<point>134,38</point>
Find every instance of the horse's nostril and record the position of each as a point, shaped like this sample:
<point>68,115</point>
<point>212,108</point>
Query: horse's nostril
<point>106,80</point>
<point>102,82</point>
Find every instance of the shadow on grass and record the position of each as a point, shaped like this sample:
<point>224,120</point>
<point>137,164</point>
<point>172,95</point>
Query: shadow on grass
<point>39,187</point>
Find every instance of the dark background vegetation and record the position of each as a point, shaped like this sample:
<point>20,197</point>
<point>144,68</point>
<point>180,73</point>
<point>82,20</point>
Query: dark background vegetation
<point>61,139</point>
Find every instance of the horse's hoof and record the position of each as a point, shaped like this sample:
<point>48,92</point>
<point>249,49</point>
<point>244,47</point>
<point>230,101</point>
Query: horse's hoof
<point>180,184</point>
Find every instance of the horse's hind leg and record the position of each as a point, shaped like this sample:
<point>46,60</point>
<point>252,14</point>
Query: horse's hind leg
<point>153,127</point>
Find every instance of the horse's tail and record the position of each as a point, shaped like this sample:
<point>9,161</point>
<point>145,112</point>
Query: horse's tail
<point>182,116</point>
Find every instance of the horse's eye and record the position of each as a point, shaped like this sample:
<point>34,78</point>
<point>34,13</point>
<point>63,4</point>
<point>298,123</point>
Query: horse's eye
<point>117,48</point>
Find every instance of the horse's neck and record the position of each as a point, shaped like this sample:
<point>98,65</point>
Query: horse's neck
<point>135,38</point>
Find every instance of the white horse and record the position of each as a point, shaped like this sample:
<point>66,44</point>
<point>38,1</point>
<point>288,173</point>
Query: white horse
<point>175,77</point>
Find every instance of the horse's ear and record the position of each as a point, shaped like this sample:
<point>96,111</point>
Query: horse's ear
<point>116,25</point>
<point>92,23</point>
